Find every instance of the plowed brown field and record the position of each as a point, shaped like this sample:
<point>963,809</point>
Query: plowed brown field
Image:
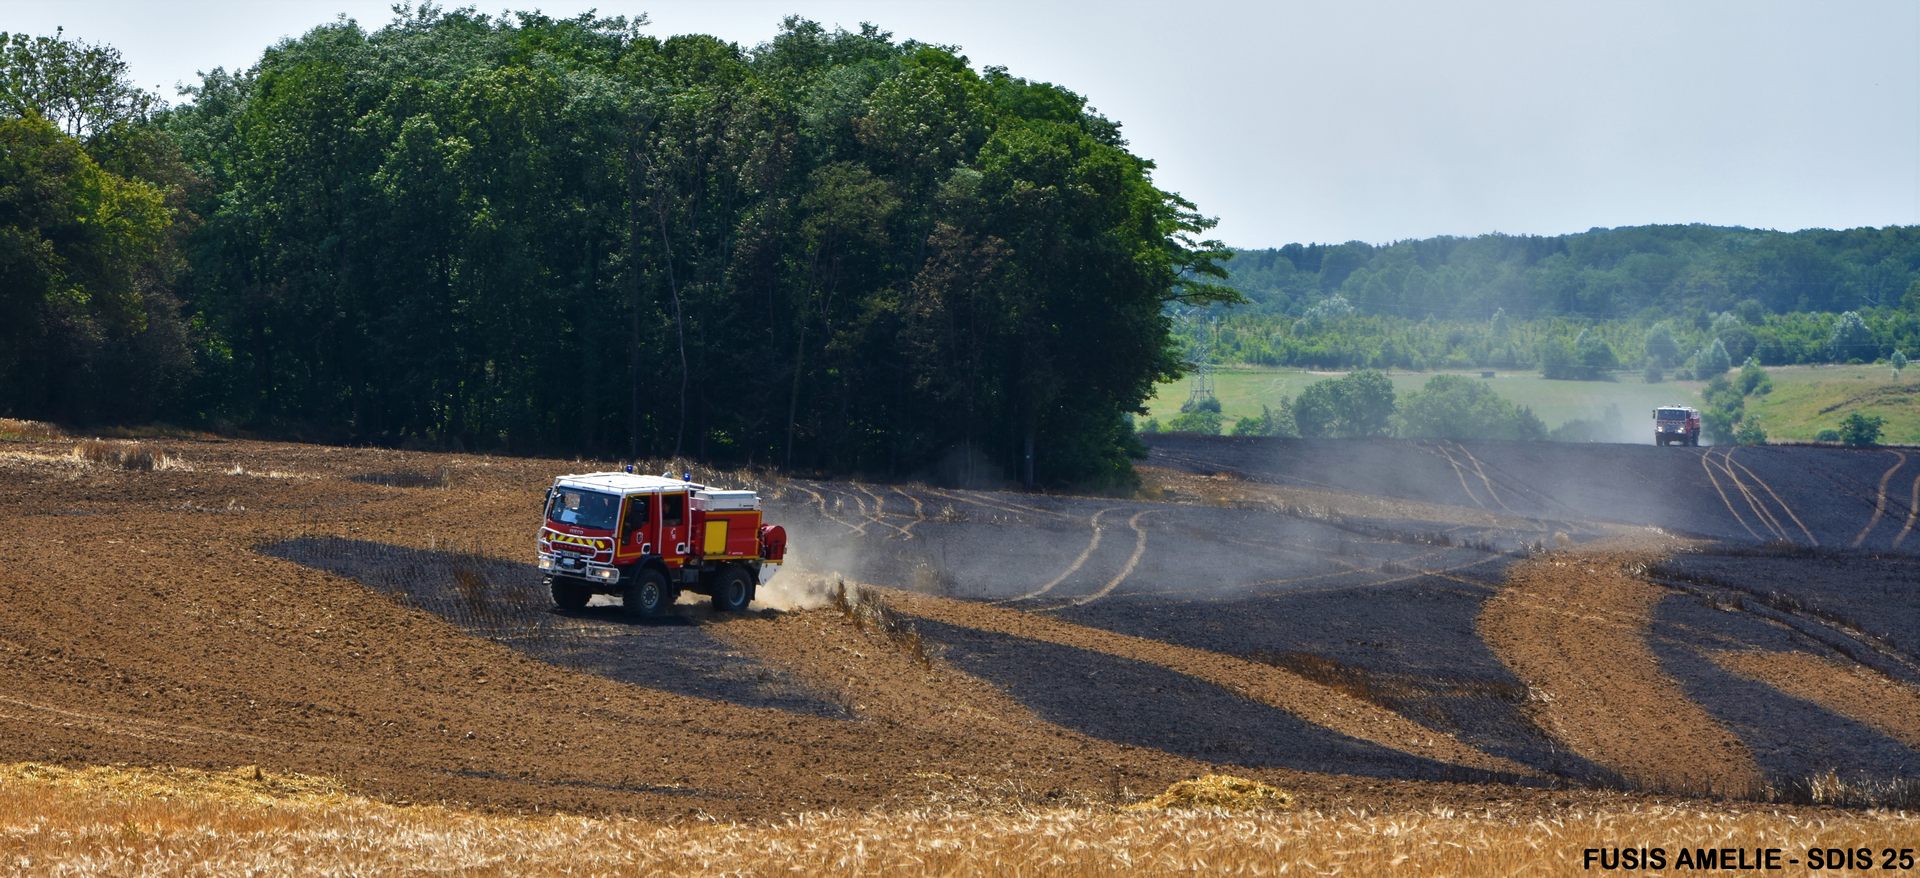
<point>1385,626</point>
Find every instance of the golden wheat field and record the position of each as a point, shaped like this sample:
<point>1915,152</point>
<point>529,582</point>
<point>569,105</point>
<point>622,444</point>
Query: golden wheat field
<point>129,821</point>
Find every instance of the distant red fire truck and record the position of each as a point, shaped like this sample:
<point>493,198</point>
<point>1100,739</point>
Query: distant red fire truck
<point>1676,423</point>
<point>648,538</point>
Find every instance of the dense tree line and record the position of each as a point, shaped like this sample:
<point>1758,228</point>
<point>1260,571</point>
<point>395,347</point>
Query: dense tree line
<point>835,250</point>
<point>1577,306</point>
<point>1639,271</point>
<point>1363,404</point>
<point>1333,334</point>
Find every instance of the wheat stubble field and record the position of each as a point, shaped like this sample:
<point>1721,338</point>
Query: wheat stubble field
<point>222,657</point>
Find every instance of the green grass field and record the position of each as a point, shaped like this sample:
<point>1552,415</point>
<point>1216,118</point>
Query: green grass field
<point>1805,399</point>
<point>1808,399</point>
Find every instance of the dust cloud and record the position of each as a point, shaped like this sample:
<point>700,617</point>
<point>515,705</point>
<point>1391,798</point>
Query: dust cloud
<point>791,590</point>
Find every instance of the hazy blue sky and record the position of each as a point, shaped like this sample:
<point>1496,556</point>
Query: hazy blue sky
<point>1351,120</point>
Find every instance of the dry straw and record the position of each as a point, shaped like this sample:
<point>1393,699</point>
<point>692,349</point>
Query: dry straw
<point>1222,791</point>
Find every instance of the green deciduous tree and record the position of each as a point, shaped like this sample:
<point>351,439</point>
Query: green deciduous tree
<point>88,329</point>
<point>1661,348</point>
<point>1861,430</point>
<point>1458,407</point>
<point>1712,360</point>
<point>80,88</point>
<point>1358,405</point>
<point>1851,341</point>
<point>1753,379</point>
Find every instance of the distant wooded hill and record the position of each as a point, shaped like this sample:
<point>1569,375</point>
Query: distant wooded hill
<point>1640,271</point>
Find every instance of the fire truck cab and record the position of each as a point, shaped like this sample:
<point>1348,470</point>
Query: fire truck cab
<point>648,538</point>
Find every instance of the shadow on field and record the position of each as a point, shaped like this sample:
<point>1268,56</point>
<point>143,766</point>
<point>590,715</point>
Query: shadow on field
<point>508,604</point>
<point>1140,704</point>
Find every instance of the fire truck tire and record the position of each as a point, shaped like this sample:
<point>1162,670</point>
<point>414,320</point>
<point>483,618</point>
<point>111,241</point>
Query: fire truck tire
<point>1662,440</point>
<point>568,595</point>
<point>732,590</point>
<point>647,596</point>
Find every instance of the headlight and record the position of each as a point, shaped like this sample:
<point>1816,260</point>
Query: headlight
<point>607,573</point>
<point>546,563</point>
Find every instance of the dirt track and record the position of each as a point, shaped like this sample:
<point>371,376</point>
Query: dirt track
<point>1308,614</point>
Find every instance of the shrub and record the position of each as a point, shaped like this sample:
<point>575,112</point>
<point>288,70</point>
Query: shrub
<point>1654,374</point>
<point>1204,404</point>
<point>1827,436</point>
<point>1269,423</point>
<point>1750,433</point>
<point>1201,421</point>
<point>1860,430</point>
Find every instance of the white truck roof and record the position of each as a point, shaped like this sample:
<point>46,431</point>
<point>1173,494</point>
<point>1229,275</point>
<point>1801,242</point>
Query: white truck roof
<point>625,483</point>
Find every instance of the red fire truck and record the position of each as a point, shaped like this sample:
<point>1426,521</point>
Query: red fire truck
<point>648,538</point>
<point>1676,423</point>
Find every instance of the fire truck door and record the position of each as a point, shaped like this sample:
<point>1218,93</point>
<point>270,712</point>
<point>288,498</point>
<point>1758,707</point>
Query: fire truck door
<point>636,527</point>
<point>673,525</point>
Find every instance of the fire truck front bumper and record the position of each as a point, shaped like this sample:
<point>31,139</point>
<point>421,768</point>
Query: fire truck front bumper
<point>563,564</point>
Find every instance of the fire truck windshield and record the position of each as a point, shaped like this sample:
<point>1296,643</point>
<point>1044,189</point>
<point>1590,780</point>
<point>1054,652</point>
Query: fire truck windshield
<point>1672,414</point>
<point>583,508</point>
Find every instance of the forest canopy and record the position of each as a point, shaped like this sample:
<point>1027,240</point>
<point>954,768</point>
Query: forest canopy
<point>1581,306</point>
<point>834,250</point>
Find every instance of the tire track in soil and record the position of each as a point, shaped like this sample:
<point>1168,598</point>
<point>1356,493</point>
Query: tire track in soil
<point>821,501</point>
<point>1784,506</point>
<point>1133,561</point>
<point>1092,545</point>
<point>1880,500</point>
<point>1269,685</point>
<point>1482,473</point>
<point>1753,500</point>
<point>1522,488</point>
<point>879,514</point>
<point>1573,626</point>
<point>999,505</point>
<point>1913,513</point>
<point>1350,569</point>
<point>1846,689</point>
<point>1458,472</point>
<point>919,511</point>
<point>1724,499</point>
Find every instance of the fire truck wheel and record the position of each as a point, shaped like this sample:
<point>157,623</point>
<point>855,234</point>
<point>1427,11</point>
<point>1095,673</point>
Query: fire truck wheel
<point>732,590</point>
<point>647,595</point>
<point>568,595</point>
